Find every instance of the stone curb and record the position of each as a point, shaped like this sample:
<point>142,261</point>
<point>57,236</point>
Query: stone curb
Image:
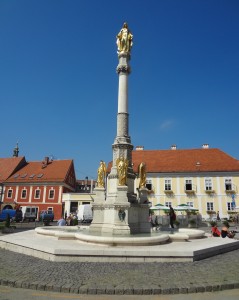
<point>145,290</point>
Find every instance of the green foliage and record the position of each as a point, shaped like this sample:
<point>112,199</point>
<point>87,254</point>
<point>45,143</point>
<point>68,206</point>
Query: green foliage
<point>75,222</point>
<point>213,223</point>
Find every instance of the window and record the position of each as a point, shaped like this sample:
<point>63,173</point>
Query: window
<point>37,194</point>
<point>167,185</point>
<point>9,193</point>
<point>149,185</point>
<point>190,204</point>
<point>228,184</point>
<point>24,194</point>
<point>168,204</point>
<point>50,209</point>
<point>188,185</point>
<point>51,194</point>
<point>210,206</point>
<point>230,205</point>
<point>208,184</point>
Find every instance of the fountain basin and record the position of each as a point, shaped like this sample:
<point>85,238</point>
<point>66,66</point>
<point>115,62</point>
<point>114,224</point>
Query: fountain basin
<point>82,234</point>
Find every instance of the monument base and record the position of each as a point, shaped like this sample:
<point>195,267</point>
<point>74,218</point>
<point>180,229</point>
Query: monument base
<point>117,215</point>
<point>111,216</point>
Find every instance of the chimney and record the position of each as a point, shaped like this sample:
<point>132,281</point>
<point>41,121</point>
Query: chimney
<point>45,162</point>
<point>139,148</point>
<point>174,147</point>
<point>205,146</point>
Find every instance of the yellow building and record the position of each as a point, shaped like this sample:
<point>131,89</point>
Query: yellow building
<point>206,179</point>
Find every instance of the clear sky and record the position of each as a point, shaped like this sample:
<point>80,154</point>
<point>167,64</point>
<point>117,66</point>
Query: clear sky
<point>59,87</point>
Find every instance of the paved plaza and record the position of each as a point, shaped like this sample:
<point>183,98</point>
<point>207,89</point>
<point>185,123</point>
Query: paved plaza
<point>216,273</point>
<point>212,274</point>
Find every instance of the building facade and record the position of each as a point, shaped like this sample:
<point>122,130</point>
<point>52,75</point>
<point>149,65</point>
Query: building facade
<point>84,195</point>
<point>206,179</point>
<point>40,184</point>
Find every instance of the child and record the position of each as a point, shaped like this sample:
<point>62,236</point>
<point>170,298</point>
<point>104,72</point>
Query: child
<point>215,231</point>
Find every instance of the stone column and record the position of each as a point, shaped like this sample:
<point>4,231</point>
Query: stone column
<point>121,213</point>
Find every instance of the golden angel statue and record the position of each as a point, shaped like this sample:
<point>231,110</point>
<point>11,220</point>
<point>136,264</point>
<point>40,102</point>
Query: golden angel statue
<point>122,169</point>
<point>101,173</point>
<point>142,175</point>
<point>124,39</point>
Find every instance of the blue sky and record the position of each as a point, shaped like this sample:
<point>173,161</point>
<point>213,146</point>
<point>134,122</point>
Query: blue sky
<point>59,87</point>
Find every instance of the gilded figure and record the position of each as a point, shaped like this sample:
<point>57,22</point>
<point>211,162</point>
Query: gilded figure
<point>142,175</point>
<point>124,39</point>
<point>122,169</point>
<point>101,174</point>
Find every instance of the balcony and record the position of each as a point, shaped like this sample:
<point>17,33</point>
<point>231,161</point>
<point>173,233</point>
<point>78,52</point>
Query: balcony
<point>190,188</point>
<point>230,188</point>
<point>168,191</point>
<point>210,191</point>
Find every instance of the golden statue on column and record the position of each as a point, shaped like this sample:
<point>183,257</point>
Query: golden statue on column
<point>122,170</point>
<point>101,174</point>
<point>124,39</point>
<point>142,175</point>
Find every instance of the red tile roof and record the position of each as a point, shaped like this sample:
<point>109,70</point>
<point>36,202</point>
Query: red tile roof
<point>55,171</point>
<point>9,165</point>
<point>192,160</point>
<point>179,161</point>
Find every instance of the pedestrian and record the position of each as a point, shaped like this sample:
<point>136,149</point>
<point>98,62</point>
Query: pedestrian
<point>225,232</point>
<point>153,220</point>
<point>172,216</point>
<point>69,221</point>
<point>218,216</point>
<point>61,222</point>
<point>215,231</point>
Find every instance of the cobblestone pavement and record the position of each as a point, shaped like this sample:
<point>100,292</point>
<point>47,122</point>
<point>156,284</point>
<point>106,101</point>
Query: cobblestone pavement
<point>212,274</point>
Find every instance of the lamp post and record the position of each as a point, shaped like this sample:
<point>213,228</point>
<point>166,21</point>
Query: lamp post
<point>1,194</point>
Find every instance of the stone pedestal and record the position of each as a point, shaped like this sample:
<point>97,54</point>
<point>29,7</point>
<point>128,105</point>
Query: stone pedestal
<point>139,214</point>
<point>111,216</point>
<point>98,210</point>
<point>143,195</point>
<point>139,218</point>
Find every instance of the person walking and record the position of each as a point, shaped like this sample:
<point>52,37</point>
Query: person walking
<point>172,216</point>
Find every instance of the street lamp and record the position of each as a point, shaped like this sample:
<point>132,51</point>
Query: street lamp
<point>1,194</point>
